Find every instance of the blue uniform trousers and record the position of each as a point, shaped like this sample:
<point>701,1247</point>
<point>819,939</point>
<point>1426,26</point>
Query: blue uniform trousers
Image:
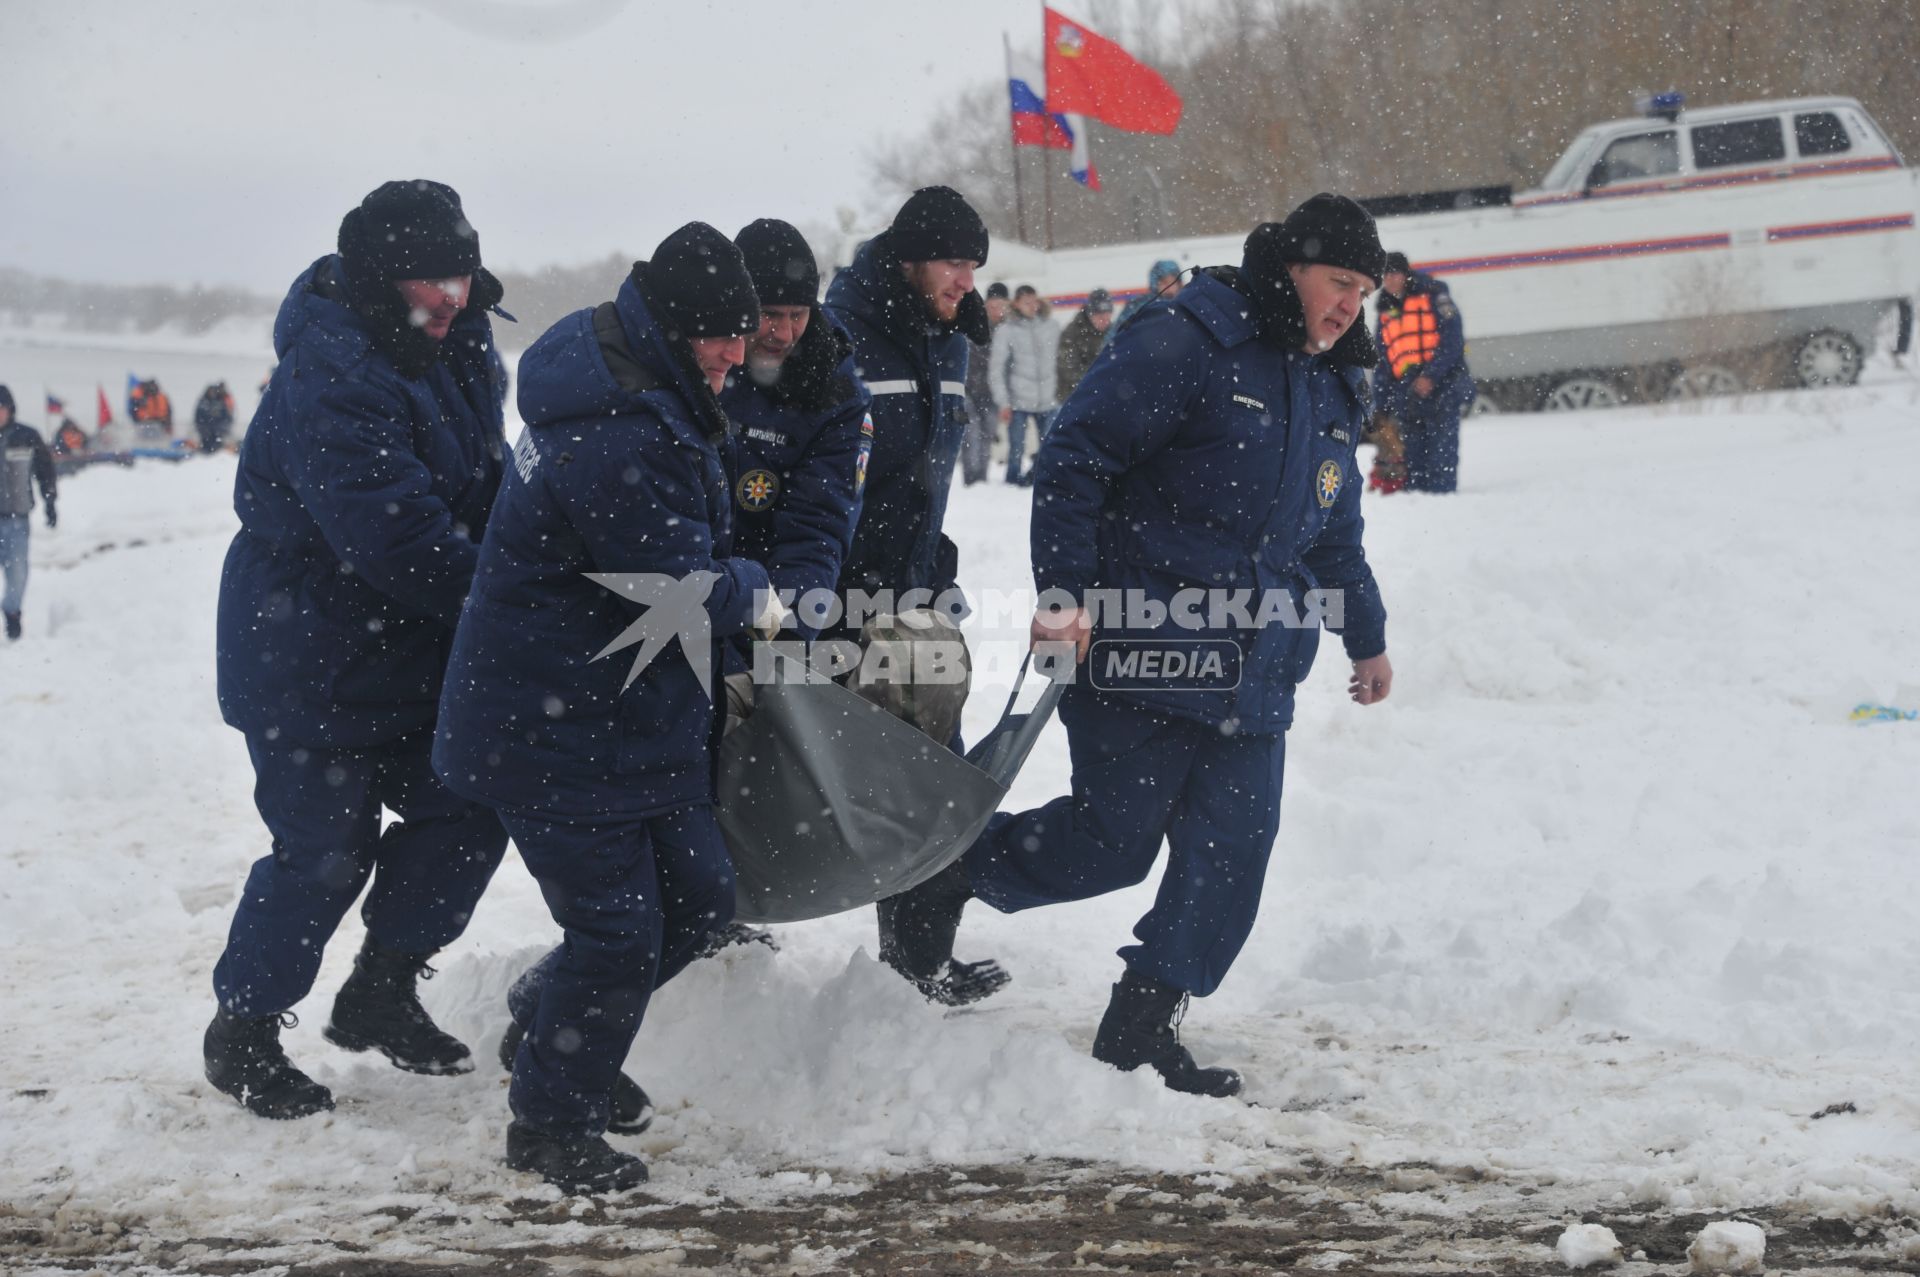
<point>1430,429</point>
<point>1140,777</point>
<point>322,806</point>
<point>635,900</point>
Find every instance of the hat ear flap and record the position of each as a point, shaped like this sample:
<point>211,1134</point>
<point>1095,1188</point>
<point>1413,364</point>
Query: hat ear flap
<point>352,240</point>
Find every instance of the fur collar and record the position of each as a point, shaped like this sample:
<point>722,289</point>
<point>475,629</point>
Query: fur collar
<point>1281,322</point>
<point>809,380</point>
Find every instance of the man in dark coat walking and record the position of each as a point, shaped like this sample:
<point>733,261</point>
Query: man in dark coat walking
<point>612,533</point>
<point>1208,457</point>
<point>24,462</point>
<point>363,488</point>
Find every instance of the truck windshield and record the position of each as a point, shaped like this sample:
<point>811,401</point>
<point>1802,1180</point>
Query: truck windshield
<point>1639,156</point>
<point>1566,170</point>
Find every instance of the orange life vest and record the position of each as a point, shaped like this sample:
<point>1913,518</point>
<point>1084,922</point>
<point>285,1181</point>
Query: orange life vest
<point>1410,333</point>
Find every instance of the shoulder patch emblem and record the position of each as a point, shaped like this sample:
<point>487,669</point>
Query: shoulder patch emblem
<point>866,424</point>
<point>757,490</point>
<point>1327,486</point>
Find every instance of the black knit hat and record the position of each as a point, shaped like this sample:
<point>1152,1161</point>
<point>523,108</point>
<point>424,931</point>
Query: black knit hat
<point>698,279</point>
<point>1397,262</point>
<point>1327,230</point>
<point>996,291</point>
<point>1100,302</point>
<point>409,230</point>
<point>6,398</point>
<point>937,224</point>
<point>781,264</point>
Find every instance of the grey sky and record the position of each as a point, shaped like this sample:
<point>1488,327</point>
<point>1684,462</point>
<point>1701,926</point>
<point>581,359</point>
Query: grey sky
<point>219,141</point>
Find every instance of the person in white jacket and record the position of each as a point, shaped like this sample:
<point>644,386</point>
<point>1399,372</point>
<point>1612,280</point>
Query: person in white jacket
<point>1024,382</point>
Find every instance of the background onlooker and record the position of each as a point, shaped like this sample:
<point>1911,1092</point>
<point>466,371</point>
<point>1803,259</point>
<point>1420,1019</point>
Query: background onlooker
<point>1082,340</point>
<point>983,422</point>
<point>24,462</point>
<point>1024,347</point>
<point>213,417</point>
<point>1163,280</point>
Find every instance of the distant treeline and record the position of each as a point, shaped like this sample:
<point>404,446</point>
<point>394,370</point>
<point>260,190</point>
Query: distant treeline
<point>1380,97</point>
<point>32,300</point>
<point>536,299</point>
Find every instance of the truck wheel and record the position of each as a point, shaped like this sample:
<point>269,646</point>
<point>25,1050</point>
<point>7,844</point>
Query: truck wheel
<point>1827,358</point>
<point>1583,390</point>
<point>1704,380</point>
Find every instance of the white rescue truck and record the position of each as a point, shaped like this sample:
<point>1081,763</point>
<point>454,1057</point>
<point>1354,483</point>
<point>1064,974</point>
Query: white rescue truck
<point>1675,254</point>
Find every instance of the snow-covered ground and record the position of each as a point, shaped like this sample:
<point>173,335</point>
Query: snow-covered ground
<point>1597,912</point>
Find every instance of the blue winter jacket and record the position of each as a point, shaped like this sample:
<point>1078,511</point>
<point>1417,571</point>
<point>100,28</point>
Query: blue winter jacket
<point>361,494</point>
<point>1199,455</point>
<point>916,372</point>
<point>796,458</point>
<point>619,471</point>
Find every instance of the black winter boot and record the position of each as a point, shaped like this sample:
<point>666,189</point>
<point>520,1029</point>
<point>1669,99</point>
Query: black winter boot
<point>1139,1028</point>
<point>580,1164</point>
<point>244,1060</point>
<point>917,929</point>
<point>13,626</point>
<point>632,1107</point>
<point>379,1009</point>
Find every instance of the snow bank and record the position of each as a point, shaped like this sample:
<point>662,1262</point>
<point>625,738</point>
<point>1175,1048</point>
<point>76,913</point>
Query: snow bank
<point>1606,902</point>
<point>1588,1245</point>
<point>1728,1246</point>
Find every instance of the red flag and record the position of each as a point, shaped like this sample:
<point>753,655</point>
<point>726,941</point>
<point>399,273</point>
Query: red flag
<point>1090,75</point>
<point>106,409</point>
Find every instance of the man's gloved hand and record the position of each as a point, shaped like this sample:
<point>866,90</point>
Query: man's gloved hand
<point>773,615</point>
<point>53,516</point>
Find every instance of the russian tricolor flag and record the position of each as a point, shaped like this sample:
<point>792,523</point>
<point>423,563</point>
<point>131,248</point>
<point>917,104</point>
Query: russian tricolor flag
<point>1033,125</point>
<point>1080,157</point>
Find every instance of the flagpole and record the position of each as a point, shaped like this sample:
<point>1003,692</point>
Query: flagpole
<point>1046,160</point>
<point>1013,144</point>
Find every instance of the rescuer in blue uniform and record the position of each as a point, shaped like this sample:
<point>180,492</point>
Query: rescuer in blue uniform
<point>909,304</point>
<point>1424,384</point>
<point>1210,449</point>
<point>581,695</point>
<point>802,435</point>
<point>364,484</point>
